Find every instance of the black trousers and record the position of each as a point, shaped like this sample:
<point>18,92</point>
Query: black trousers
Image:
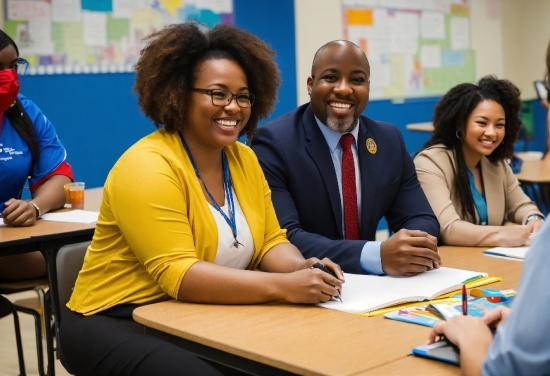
<point>104,345</point>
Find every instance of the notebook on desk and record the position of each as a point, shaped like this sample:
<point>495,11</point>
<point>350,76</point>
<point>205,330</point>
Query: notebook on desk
<point>513,253</point>
<point>73,216</point>
<point>365,293</point>
<point>442,350</point>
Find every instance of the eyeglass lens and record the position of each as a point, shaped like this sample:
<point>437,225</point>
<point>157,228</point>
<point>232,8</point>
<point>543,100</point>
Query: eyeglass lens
<point>223,98</point>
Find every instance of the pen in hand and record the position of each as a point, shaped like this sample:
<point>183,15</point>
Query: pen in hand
<point>318,265</point>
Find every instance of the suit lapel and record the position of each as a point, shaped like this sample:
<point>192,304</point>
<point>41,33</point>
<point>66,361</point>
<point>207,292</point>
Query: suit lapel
<point>367,163</point>
<point>318,150</point>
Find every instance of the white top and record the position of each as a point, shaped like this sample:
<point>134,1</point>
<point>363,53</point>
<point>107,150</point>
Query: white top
<point>227,254</point>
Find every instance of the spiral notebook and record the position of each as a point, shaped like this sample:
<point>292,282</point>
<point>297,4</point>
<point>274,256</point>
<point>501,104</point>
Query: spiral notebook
<point>365,293</point>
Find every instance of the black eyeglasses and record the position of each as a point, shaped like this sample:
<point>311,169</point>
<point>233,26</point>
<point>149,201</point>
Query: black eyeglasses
<point>222,97</point>
<point>21,66</point>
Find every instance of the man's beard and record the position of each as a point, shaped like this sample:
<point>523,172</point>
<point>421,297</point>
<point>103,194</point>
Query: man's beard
<point>342,126</point>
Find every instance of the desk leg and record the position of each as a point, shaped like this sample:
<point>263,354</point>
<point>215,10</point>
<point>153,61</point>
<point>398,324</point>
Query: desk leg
<point>50,255</point>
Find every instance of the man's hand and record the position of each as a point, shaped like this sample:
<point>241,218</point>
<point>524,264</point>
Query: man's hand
<point>409,252</point>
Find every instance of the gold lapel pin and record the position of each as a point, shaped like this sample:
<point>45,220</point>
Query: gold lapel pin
<point>371,146</point>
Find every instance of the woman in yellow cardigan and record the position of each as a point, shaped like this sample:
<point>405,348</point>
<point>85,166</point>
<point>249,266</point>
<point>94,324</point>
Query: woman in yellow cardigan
<point>187,209</point>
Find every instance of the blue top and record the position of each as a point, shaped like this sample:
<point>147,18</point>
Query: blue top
<point>522,344</point>
<point>479,200</point>
<point>16,158</point>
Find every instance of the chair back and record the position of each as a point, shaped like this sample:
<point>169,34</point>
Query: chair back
<point>69,262</point>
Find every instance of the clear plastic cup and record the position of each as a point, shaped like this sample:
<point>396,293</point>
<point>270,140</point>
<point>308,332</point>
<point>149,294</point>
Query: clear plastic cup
<point>74,194</point>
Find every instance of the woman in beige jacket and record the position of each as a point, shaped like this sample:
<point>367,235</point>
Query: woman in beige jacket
<point>464,172</point>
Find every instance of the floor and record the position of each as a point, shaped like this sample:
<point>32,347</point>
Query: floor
<point>9,364</point>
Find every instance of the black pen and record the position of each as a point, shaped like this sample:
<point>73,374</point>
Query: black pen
<point>318,265</point>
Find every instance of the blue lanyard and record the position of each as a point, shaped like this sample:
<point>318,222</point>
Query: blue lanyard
<point>226,186</point>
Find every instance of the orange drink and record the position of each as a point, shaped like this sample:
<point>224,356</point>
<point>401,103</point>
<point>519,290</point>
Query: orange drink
<point>76,195</point>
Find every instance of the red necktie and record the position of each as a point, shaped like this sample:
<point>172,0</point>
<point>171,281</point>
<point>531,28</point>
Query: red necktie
<point>349,190</point>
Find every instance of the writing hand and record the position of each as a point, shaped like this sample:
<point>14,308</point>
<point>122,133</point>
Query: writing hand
<point>409,252</point>
<point>309,286</point>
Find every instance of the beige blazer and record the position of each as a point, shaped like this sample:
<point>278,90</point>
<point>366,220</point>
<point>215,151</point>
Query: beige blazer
<point>505,199</point>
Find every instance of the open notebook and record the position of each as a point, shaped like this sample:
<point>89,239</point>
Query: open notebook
<point>365,293</point>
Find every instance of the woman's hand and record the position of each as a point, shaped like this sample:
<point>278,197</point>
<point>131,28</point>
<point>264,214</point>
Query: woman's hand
<point>309,286</point>
<point>333,267</point>
<point>514,236</point>
<point>19,213</point>
<point>534,225</point>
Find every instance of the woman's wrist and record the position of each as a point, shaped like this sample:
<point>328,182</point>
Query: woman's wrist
<point>37,209</point>
<point>533,217</point>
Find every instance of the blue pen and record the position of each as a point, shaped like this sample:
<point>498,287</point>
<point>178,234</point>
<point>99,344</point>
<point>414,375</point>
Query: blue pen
<point>318,265</point>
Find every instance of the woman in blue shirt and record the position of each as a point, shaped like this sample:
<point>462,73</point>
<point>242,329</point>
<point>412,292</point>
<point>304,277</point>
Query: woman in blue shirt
<point>29,152</point>
<point>464,172</point>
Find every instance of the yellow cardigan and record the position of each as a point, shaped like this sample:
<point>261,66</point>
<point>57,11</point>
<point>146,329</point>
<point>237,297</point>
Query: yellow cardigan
<point>155,223</point>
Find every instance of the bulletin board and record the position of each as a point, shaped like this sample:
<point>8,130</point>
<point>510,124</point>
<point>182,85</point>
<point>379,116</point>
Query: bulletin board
<point>415,47</point>
<point>97,36</point>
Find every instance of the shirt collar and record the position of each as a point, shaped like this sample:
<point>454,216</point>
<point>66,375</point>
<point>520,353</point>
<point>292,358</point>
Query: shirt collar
<point>332,137</point>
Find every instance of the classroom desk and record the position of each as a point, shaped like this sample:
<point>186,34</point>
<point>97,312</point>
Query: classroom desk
<point>306,339</point>
<point>534,171</point>
<point>533,175</point>
<point>48,237</point>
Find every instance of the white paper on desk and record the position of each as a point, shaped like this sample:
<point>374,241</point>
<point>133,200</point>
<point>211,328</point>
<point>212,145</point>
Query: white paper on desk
<point>514,253</point>
<point>73,216</point>
<point>1,222</point>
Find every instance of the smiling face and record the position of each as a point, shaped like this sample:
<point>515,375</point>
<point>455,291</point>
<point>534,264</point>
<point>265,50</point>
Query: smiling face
<point>339,85</point>
<point>484,131</point>
<point>213,126</point>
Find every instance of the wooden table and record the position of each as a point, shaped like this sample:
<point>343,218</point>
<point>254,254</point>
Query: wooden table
<point>48,237</point>
<point>302,339</point>
<point>534,171</point>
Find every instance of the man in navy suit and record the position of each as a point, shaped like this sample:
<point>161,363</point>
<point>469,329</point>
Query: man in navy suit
<point>301,155</point>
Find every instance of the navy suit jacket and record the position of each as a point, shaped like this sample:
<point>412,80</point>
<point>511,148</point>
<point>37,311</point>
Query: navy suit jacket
<point>296,161</point>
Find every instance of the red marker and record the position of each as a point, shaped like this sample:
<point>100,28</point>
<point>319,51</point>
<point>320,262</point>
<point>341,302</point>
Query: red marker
<point>464,301</point>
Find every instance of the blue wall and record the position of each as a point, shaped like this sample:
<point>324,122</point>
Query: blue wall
<point>96,115</point>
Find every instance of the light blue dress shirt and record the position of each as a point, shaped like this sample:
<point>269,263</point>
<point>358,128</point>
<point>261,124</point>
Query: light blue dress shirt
<point>522,344</point>
<point>370,260</point>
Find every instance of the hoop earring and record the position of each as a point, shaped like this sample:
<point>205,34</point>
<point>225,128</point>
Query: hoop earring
<point>458,135</point>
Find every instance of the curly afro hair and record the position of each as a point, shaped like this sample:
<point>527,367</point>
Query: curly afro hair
<point>167,68</point>
<point>450,120</point>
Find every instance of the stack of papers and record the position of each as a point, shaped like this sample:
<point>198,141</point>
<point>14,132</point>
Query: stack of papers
<point>73,216</point>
